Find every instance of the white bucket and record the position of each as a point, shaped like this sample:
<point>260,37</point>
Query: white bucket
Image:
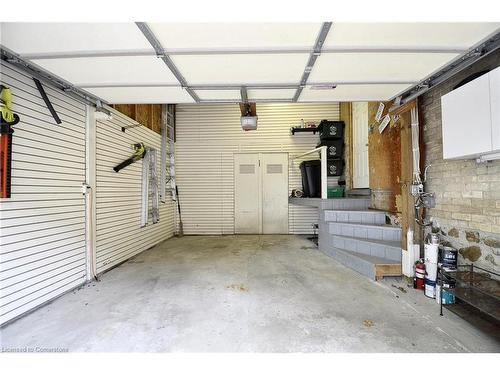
<point>430,288</point>
<point>431,253</point>
<point>431,271</point>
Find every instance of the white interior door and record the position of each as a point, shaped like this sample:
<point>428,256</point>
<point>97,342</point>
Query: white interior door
<point>247,196</point>
<point>261,193</point>
<point>360,172</point>
<point>274,177</point>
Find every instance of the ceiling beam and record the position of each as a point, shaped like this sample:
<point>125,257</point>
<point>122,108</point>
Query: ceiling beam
<point>238,51</point>
<point>320,40</point>
<point>138,85</point>
<point>248,86</point>
<point>264,100</point>
<point>160,52</point>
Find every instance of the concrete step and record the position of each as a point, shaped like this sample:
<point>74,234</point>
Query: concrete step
<point>333,204</point>
<point>356,216</point>
<point>348,204</point>
<point>358,192</point>
<point>390,250</point>
<point>367,231</point>
<point>370,266</point>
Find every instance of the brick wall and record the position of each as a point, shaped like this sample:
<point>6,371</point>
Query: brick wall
<point>467,214</point>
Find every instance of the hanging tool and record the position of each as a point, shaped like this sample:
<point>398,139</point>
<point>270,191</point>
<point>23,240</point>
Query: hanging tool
<point>149,188</point>
<point>181,225</point>
<point>139,152</point>
<point>7,120</point>
<point>46,99</point>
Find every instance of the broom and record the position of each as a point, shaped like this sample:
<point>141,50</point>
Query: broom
<point>181,227</point>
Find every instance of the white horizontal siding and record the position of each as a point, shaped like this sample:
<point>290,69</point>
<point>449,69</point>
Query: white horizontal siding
<point>43,223</point>
<point>119,235</point>
<point>208,135</point>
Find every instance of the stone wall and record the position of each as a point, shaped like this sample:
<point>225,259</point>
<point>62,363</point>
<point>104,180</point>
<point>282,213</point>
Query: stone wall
<point>467,214</point>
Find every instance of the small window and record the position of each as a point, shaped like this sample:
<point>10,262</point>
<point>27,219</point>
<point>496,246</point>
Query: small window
<point>247,169</point>
<point>274,168</point>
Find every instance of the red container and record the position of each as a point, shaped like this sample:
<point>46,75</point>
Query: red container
<point>420,274</point>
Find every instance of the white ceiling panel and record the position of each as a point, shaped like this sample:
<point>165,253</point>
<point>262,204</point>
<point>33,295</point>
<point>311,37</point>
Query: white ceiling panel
<point>49,38</point>
<point>256,94</point>
<point>219,94</point>
<point>376,67</point>
<point>428,35</point>
<point>346,93</point>
<point>235,69</point>
<point>235,35</point>
<point>142,95</point>
<point>129,70</point>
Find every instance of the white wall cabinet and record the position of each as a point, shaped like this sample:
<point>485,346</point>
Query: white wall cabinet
<point>471,118</point>
<point>495,107</point>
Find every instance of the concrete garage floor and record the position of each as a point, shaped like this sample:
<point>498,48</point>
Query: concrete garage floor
<point>243,294</point>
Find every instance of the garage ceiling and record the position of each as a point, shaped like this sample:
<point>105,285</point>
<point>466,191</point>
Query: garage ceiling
<point>224,62</point>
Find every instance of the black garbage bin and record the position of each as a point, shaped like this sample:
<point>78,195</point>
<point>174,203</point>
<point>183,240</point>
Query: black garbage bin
<point>311,178</point>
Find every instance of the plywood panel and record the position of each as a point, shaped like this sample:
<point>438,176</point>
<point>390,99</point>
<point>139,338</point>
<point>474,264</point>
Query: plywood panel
<point>148,115</point>
<point>126,109</point>
<point>406,203</point>
<point>385,161</point>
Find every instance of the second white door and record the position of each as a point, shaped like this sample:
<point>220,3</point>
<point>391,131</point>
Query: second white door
<point>360,173</point>
<point>261,193</point>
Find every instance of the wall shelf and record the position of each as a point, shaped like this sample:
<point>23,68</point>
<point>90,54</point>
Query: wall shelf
<point>476,286</point>
<point>298,129</point>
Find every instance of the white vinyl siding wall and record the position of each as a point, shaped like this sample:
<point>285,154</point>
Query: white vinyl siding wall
<point>208,135</point>
<point>42,238</point>
<point>119,235</point>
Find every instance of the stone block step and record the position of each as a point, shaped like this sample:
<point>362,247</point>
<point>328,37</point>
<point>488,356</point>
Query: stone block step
<point>349,203</point>
<point>356,216</point>
<point>370,266</point>
<point>390,250</point>
<point>359,192</point>
<point>368,231</point>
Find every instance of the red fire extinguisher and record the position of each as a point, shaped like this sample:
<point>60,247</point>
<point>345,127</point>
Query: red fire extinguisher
<point>419,275</point>
<point>7,120</point>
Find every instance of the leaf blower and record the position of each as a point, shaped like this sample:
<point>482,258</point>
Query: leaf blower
<point>139,152</point>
